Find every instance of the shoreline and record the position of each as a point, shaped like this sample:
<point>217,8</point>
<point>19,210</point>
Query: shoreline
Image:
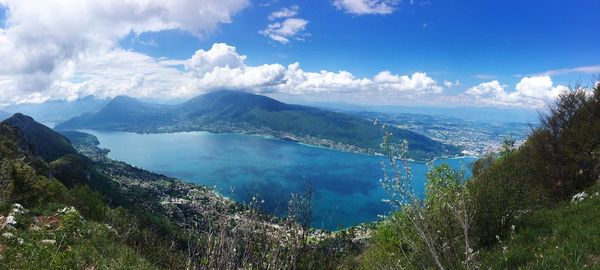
<point>365,152</point>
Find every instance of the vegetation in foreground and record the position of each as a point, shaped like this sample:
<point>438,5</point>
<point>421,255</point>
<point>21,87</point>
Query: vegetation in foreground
<point>533,207</point>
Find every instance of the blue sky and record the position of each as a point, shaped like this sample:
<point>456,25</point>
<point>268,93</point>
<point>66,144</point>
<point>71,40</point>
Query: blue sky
<point>463,39</point>
<point>469,42</point>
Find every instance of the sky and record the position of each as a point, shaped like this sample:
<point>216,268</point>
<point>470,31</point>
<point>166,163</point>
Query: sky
<point>508,54</point>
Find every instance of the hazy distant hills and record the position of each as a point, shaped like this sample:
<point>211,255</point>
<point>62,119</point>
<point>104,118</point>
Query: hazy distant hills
<point>57,111</point>
<point>231,111</point>
<point>4,115</point>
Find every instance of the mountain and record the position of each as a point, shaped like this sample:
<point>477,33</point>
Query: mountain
<point>37,138</point>
<point>54,112</point>
<point>240,112</point>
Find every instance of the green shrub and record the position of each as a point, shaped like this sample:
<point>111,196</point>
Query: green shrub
<point>500,193</point>
<point>90,203</point>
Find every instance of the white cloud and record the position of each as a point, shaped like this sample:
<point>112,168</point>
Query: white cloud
<point>492,88</point>
<point>284,13</point>
<point>530,92</point>
<point>594,69</point>
<point>255,79</point>
<point>418,82</point>
<point>298,81</point>
<point>365,7</point>
<point>42,41</point>
<point>450,84</point>
<point>287,27</point>
<point>220,55</point>
<point>283,31</point>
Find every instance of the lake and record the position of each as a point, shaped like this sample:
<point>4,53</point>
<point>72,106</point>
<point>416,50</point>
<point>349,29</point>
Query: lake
<point>347,187</point>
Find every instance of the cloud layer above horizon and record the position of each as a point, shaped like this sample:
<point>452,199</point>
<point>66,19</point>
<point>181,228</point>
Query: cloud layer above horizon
<point>55,50</point>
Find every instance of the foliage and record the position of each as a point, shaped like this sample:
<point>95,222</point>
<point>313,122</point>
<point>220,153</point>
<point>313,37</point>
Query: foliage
<point>90,203</point>
<point>566,236</point>
<point>429,233</point>
<point>99,248</point>
<point>500,193</point>
<point>565,151</point>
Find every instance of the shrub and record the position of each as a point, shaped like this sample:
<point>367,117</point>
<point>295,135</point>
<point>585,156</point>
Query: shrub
<point>88,202</point>
<point>565,150</point>
<point>500,193</point>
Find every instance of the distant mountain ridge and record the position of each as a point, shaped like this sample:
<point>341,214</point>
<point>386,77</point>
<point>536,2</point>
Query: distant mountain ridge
<point>241,112</point>
<point>4,115</point>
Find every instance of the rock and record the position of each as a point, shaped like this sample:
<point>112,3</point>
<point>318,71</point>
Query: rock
<point>48,241</point>
<point>8,235</point>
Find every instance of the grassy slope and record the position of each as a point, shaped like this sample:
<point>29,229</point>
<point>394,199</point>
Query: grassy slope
<point>97,248</point>
<point>564,237</point>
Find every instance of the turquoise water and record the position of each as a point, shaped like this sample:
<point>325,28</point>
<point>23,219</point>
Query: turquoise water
<point>347,188</point>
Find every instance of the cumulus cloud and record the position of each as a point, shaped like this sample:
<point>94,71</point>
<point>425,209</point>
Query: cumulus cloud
<point>530,92</point>
<point>220,55</point>
<point>42,41</point>
<point>418,82</point>
<point>222,67</point>
<point>366,7</point>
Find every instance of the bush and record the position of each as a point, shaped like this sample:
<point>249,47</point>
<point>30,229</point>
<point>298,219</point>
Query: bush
<point>428,234</point>
<point>88,202</point>
<point>500,193</point>
<point>565,150</point>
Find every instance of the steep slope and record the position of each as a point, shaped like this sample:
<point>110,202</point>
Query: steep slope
<point>77,211</point>
<point>231,111</point>
<point>37,138</point>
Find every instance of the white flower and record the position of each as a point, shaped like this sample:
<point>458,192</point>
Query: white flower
<point>10,220</point>
<point>579,197</point>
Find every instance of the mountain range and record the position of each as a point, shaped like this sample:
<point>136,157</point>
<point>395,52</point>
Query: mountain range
<point>241,112</point>
<point>57,111</point>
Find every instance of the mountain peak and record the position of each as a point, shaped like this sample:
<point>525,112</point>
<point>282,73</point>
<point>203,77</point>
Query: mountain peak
<point>124,99</point>
<point>22,121</point>
<point>37,138</point>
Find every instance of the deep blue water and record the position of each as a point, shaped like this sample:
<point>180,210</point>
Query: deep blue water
<point>347,188</point>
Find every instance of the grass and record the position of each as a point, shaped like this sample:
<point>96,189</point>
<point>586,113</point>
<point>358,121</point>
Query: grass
<point>95,247</point>
<point>564,237</point>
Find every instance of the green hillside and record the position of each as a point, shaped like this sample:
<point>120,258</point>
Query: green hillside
<point>532,207</point>
<point>60,209</point>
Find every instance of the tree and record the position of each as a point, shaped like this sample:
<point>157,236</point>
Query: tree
<point>442,221</point>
